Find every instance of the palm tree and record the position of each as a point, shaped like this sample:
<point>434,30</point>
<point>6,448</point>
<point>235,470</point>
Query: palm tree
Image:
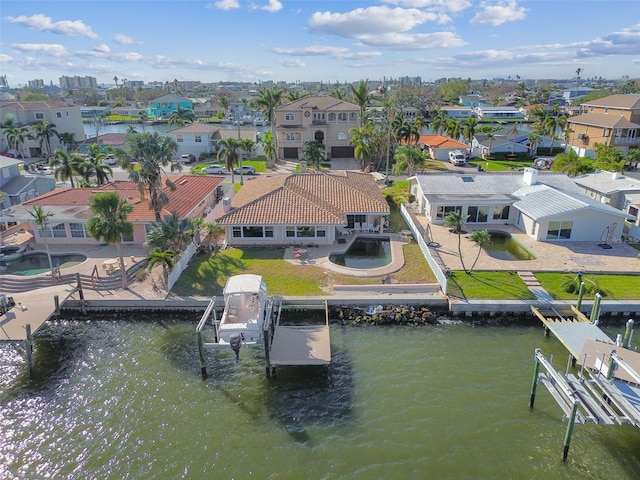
<point>457,221</point>
<point>228,152</point>
<point>407,157</point>
<point>166,259</point>
<point>419,123</point>
<point>143,117</point>
<point>16,137</point>
<point>68,139</point>
<point>360,94</point>
<point>145,157</point>
<point>43,133</point>
<point>224,103</point>
<point>313,152</point>
<point>42,221</point>
<point>360,139</point>
<point>181,116</point>
<point>172,233</point>
<point>66,166</point>
<point>469,128</point>
<point>551,125</point>
<point>571,164</point>
<point>480,238</point>
<point>491,136</point>
<point>109,222</point>
<point>269,147</point>
<point>93,166</point>
<point>268,102</point>
<point>439,122</point>
<point>131,129</point>
<point>453,128</point>
<point>513,131</point>
<point>294,95</point>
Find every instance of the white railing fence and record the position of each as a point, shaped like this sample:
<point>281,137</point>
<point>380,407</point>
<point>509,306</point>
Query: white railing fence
<point>181,265</point>
<point>417,234</point>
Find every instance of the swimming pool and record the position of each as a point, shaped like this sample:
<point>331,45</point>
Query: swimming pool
<point>35,263</point>
<point>364,253</point>
<point>504,247</point>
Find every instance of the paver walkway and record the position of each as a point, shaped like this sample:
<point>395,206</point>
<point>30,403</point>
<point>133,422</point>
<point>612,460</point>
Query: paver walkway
<point>534,286</point>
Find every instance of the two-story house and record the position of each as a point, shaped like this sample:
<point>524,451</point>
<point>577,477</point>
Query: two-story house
<point>66,118</point>
<point>167,104</point>
<point>323,119</point>
<point>612,120</point>
<point>17,187</point>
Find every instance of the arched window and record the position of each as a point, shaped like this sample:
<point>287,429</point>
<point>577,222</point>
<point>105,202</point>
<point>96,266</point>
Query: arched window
<point>332,117</point>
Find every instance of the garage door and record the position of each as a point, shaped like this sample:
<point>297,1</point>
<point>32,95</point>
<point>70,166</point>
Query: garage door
<point>290,152</point>
<point>342,152</point>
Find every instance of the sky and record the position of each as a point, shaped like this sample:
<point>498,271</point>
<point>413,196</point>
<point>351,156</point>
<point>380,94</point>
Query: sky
<point>318,40</point>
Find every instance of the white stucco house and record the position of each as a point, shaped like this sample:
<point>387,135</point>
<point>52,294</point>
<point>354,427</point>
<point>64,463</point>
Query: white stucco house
<point>197,138</point>
<point>546,206</point>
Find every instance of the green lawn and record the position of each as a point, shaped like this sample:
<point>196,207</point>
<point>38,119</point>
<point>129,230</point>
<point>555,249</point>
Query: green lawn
<point>259,163</point>
<point>488,286</point>
<point>492,165</point>
<point>612,287</point>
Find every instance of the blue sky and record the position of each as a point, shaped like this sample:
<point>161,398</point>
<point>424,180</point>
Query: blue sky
<point>327,40</point>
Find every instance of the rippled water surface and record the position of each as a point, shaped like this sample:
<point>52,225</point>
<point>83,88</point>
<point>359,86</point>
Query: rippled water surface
<point>114,399</point>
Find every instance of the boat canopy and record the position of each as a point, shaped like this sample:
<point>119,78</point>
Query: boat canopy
<point>246,283</point>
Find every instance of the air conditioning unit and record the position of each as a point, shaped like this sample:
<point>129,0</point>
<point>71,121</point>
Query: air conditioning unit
<point>582,136</point>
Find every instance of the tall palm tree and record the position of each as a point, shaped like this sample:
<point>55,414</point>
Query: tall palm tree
<point>534,137</point>
<point>143,117</point>
<point>16,137</point>
<point>491,136</point>
<point>480,238</point>
<point>407,157</point>
<point>360,94</point>
<point>166,259</point>
<point>109,222</point>
<point>171,233</point>
<point>42,221</point>
<point>268,102</point>
<point>94,166</point>
<point>360,139</point>
<point>457,221</point>
<point>181,116</point>
<point>513,131</point>
<point>43,133</point>
<point>551,126</point>
<point>228,152</point>
<point>469,126</point>
<point>224,103</point>
<point>68,139</point>
<point>66,166</point>
<point>453,128</point>
<point>145,156</point>
<point>439,122</point>
<point>419,123</point>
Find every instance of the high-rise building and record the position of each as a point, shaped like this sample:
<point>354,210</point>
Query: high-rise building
<point>69,83</point>
<point>37,83</point>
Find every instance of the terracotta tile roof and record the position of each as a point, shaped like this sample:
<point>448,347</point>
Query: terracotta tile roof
<point>440,141</point>
<point>190,191</point>
<point>309,199</point>
<point>627,101</point>
<point>602,120</point>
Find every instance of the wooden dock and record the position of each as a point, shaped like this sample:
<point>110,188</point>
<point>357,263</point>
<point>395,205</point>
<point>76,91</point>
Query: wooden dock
<point>32,308</point>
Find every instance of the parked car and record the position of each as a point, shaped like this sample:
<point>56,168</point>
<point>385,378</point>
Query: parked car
<point>215,169</point>
<point>245,170</point>
<point>110,159</point>
<point>187,158</point>
<point>457,158</point>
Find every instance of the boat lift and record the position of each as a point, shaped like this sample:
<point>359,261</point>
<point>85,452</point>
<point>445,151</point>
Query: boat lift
<point>283,344</point>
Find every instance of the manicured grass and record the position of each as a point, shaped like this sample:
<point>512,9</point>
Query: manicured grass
<point>492,165</point>
<point>207,274</point>
<point>259,163</point>
<point>488,286</point>
<point>611,287</point>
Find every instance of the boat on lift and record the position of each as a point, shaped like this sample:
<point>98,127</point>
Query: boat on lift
<point>245,307</point>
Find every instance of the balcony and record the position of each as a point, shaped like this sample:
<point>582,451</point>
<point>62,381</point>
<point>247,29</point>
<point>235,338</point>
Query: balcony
<point>625,140</point>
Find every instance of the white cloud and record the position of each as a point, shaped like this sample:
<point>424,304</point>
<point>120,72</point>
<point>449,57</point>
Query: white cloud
<point>314,50</point>
<point>501,12</point>
<point>439,5</point>
<point>370,21</point>
<point>626,42</point>
<point>273,6</point>
<point>44,24</point>
<point>417,41</point>
<point>6,58</point>
<point>226,4</point>
<point>104,48</point>
<point>123,39</point>
<point>52,49</point>
<point>291,63</point>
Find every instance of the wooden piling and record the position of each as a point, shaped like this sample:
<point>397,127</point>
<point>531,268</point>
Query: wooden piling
<point>83,305</point>
<point>56,302</point>
<point>580,295</point>
<point>626,341</point>
<point>569,432</point>
<point>534,383</point>
<point>595,310</point>
<point>29,350</point>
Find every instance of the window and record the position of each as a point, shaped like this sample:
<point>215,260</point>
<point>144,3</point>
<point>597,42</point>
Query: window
<point>305,232</point>
<point>148,228</point>
<point>268,232</point>
<point>559,230</point>
<point>606,110</point>
<point>444,210</point>
<point>606,132</point>
<point>59,231</point>
<point>290,231</point>
<point>236,232</point>
<point>353,116</point>
<point>319,116</point>
<point>289,117</point>
<point>332,117</point>
<point>198,138</point>
<point>78,231</point>
<point>501,213</point>
<point>477,214</point>
<point>252,232</point>
<point>291,137</point>
<point>39,116</point>
<point>179,139</point>
<point>127,238</point>
<point>353,219</point>
<point>342,117</point>
<point>58,114</point>
<point>342,136</point>
<point>298,231</point>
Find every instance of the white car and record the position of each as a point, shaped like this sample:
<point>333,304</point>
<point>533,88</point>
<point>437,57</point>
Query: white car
<point>110,159</point>
<point>215,170</point>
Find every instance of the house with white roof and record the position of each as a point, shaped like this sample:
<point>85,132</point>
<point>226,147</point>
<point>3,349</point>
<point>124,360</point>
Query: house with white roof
<point>498,113</point>
<point>547,207</point>
<point>197,138</point>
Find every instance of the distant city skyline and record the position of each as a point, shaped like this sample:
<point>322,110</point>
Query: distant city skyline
<point>328,41</point>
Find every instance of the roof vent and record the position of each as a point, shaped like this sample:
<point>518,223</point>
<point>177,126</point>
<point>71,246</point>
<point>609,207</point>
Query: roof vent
<point>530,176</point>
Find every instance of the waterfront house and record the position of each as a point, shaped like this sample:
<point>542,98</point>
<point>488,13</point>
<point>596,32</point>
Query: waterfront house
<point>197,138</point>
<point>323,119</point>
<point>311,208</point>
<point>66,118</point>
<point>612,120</point>
<point>165,105</point>
<point>546,206</point>
<point>439,146</point>
<point>487,113</point>
<point>194,197</point>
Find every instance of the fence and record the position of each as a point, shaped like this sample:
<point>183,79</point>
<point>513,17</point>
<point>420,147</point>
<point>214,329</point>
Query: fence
<point>418,235</point>
<point>181,265</point>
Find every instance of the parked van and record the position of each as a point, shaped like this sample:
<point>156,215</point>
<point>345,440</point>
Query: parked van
<point>457,158</point>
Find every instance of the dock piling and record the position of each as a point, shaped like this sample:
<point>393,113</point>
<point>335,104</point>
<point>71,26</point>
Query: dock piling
<point>534,383</point>
<point>56,302</point>
<point>83,305</point>
<point>628,334</point>
<point>29,349</point>
<point>595,310</point>
<point>580,295</point>
<point>569,432</point>
<point>203,363</point>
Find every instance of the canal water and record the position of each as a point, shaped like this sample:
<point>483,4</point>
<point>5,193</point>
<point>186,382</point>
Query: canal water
<point>118,399</point>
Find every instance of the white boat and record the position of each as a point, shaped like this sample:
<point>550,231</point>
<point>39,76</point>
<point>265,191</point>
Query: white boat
<point>260,122</point>
<point>245,304</point>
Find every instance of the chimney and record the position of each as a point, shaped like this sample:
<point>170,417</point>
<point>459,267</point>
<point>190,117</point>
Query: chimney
<point>530,176</point>
<point>616,175</point>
